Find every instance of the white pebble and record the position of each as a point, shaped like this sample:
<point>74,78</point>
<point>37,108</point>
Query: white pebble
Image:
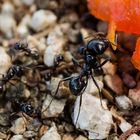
<point>18,137</point>
<point>27,2</point>
<point>124,103</point>
<point>54,109</point>
<point>124,126</point>
<point>51,134</point>
<point>5,61</point>
<point>7,25</point>
<point>55,42</point>
<point>19,126</point>
<point>133,137</point>
<point>93,117</point>
<point>7,8</point>
<point>42,19</point>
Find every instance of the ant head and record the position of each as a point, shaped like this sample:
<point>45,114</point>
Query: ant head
<point>58,59</point>
<point>77,85</point>
<point>20,46</point>
<point>98,46</point>
<point>28,109</point>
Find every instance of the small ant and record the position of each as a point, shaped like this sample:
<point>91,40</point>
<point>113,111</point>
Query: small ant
<point>15,70</point>
<point>77,84</point>
<point>24,47</point>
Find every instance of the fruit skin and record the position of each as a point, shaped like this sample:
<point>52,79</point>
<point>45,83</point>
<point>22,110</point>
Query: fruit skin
<point>122,15</point>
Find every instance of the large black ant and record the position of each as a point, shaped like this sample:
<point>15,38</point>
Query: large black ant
<point>21,46</point>
<point>77,84</point>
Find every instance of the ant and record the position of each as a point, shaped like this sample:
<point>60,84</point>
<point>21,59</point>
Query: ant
<point>90,52</point>
<point>15,70</point>
<point>24,47</point>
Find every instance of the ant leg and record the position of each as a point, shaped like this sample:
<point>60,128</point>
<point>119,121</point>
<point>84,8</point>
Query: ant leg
<point>100,93</point>
<point>103,63</point>
<point>79,109</point>
<point>81,101</point>
<point>66,79</point>
<point>75,62</point>
<point>96,35</point>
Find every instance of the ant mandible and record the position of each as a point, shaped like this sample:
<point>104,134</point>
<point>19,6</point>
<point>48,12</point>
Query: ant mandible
<point>90,52</point>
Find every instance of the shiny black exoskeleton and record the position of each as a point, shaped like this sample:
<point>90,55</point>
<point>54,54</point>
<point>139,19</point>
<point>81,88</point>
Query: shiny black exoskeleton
<point>24,47</point>
<point>92,66</point>
<point>20,106</point>
<point>15,70</point>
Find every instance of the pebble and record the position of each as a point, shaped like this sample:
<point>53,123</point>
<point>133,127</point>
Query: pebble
<point>55,41</point>
<point>67,137</point>
<point>19,126</point>
<point>2,135</point>
<point>51,134</point>
<point>128,80</point>
<point>63,89</point>
<point>133,137</point>
<point>18,137</point>
<point>54,109</point>
<point>27,2</point>
<point>42,19</point>
<point>124,103</point>
<point>133,94</point>
<point>7,8</point>
<point>29,134</point>
<point>115,83</point>
<point>81,138</point>
<point>93,118</point>
<point>5,61</point>
<point>91,87</point>
<point>4,119</point>
<point>124,126</point>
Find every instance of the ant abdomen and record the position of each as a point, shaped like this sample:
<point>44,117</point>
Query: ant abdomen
<point>76,85</point>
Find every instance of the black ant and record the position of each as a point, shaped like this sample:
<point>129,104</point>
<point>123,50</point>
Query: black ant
<point>24,47</point>
<point>15,70</point>
<point>77,84</point>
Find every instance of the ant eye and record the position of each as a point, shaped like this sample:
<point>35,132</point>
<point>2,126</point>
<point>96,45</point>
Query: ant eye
<point>17,46</point>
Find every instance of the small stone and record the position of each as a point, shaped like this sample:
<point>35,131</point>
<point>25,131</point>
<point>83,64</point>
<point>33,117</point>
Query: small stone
<point>5,61</point>
<point>43,130</point>
<point>29,134</point>
<point>81,138</point>
<point>128,80</point>
<point>2,135</point>
<point>7,8</point>
<point>51,134</point>
<point>124,103</point>
<point>7,25</point>
<point>133,137</point>
<point>63,88</point>
<point>124,126</point>
<point>67,137</point>
<point>91,87</point>
<point>19,126</point>
<point>109,68</point>
<point>54,109</point>
<point>134,96</point>
<point>93,117</point>
<point>4,119</point>
<point>115,83</point>
<point>18,137</point>
<point>27,2</point>
<point>42,19</point>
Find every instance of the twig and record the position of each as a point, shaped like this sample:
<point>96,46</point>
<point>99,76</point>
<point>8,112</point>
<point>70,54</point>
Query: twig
<point>129,132</point>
